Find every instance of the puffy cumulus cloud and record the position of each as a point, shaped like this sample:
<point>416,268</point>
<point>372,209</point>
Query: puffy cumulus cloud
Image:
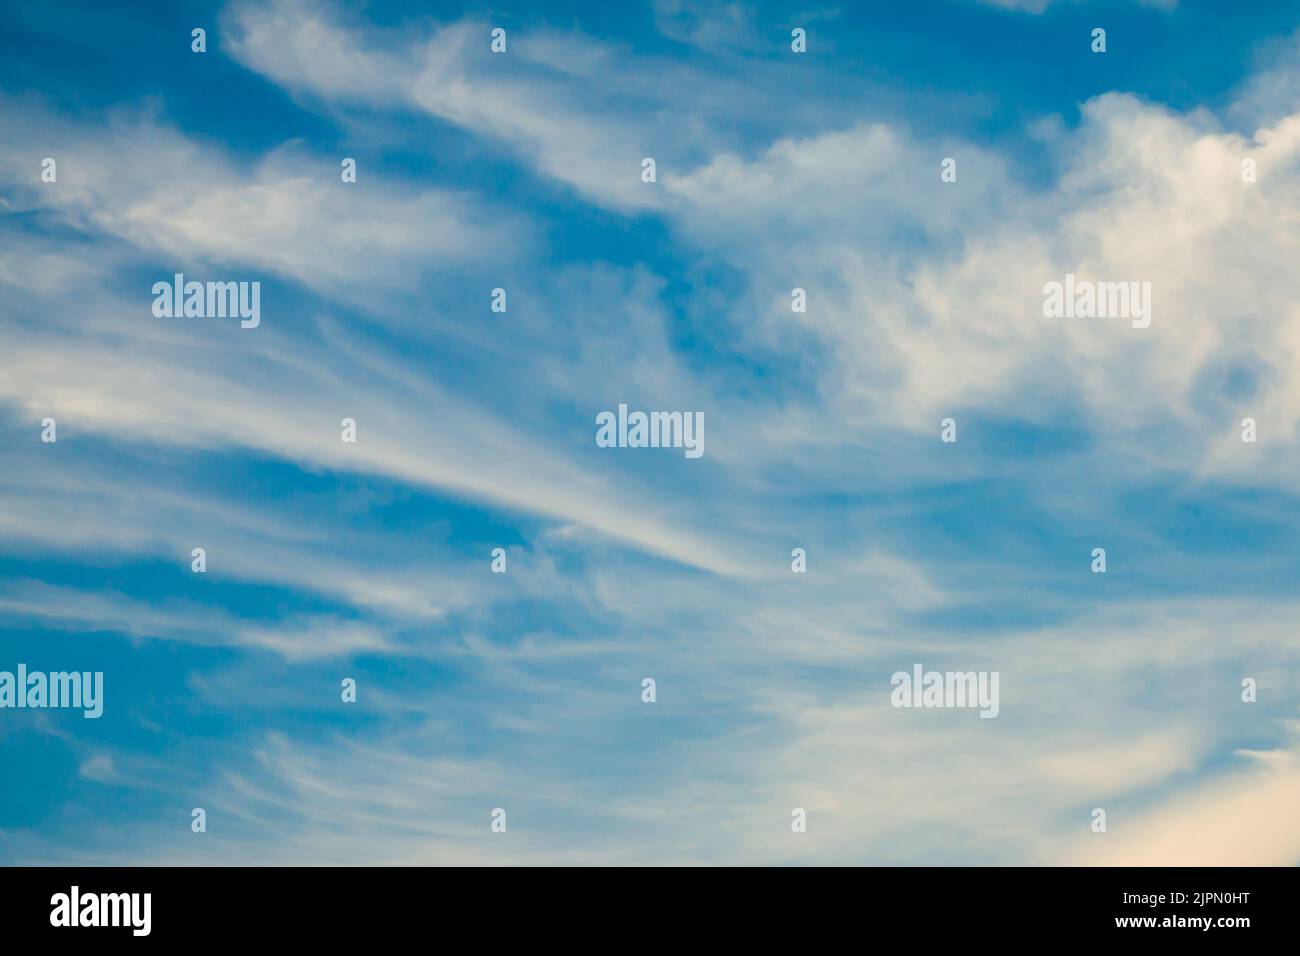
<point>850,217</point>
<point>914,331</point>
<point>1148,196</point>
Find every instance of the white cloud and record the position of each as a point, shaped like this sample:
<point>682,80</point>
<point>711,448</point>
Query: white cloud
<point>304,637</point>
<point>923,296</point>
<point>926,296</point>
<point>287,214</point>
<point>451,75</point>
<point>1242,818</point>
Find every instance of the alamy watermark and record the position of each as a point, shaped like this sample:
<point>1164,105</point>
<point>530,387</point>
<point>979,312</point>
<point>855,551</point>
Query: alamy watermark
<point>1098,300</point>
<point>73,689</point>
<point>922,688</point>
<point>209,300</point>
<point>75,908</point>
<point>652,430</point>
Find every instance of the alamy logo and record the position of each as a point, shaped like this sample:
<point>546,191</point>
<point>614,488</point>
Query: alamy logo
<point>83,691</point>
<point>923,688</point>
<point>103,909</point>
<point>1098,300</point>
<point>210,300</point>
<point>652,430</point>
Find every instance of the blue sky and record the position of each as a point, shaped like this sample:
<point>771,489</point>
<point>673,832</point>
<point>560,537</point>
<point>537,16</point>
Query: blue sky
<point>476,430</point>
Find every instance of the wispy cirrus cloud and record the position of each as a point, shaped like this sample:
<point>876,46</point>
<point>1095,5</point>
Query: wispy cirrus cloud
<point>521,690</point>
